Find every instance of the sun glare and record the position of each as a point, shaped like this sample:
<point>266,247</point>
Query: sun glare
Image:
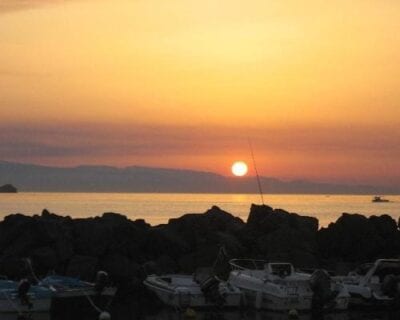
<point>239,168</point>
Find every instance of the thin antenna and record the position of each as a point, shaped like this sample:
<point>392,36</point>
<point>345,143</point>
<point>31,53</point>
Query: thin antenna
<point>255,169</point>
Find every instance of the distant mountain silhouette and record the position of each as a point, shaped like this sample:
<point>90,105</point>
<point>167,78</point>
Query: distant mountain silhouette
<point>30,177</point>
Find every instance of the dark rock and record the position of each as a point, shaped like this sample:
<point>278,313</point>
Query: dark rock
<point>14,268</point>
<point>162,265</point>
<point>278,235</point>
<point>268,219</point>
<point>91,237</point>
<point>203,256</point>
<point>82,267</point>
<point>8,188</point>
<point>204,235</point>
<point>112,233</point>
<point>356,238</point>
<point>44,259</point>
<point>18,236</point>
<point>214,219</point>
<point>119,267</point>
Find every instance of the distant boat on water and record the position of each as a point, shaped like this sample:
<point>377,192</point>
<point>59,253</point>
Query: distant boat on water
<point>379,199</point>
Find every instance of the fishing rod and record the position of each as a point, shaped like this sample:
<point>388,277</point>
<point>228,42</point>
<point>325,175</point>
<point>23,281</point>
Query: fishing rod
<point>256,171</point>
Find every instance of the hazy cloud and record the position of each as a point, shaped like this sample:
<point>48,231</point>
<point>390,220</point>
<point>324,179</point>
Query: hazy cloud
<point>101,139</point>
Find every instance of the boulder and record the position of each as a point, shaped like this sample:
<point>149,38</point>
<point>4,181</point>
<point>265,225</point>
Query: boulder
<point>44,259</point>
<point>119,267</point>
<point>162,265</point>
<point>91,237</point>
<point>18,236</point>
<point>14,268</point>
<point>203,235</point>
<point>82,267</point>
<point>278,235</point>
<point>356,238</point>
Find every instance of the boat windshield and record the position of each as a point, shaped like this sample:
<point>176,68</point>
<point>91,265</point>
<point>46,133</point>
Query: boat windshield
<point>363,269</point>
<point>386,268</point>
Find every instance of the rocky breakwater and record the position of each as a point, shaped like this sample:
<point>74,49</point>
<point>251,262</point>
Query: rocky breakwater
<point>128,250</point>
<point>355,239</point>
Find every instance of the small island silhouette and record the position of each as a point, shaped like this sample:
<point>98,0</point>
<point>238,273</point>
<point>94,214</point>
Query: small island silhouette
<point>8,188</point>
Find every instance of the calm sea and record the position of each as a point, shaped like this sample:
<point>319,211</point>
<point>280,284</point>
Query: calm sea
<point>158,208</point>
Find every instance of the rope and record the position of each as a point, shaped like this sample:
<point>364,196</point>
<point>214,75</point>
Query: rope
<point>29,263</point>
<point>110,301</point>
<point>92,303</point>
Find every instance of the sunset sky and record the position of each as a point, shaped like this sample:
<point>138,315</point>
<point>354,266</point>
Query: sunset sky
<point>184,83</point>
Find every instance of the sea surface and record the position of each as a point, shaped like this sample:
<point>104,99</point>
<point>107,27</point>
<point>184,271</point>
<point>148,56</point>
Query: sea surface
<point>157,208</point>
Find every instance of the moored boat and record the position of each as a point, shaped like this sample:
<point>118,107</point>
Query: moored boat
<point>278,287</point>
<point>375,283</point>
<point>193,291</point>
<point>271,286</point>
<point>23,297</point>
<point>68,287</point>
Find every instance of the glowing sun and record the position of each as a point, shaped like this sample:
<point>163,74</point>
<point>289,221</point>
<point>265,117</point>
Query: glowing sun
<point>239,168</point>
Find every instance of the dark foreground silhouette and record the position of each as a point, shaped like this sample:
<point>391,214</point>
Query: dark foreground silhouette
<point>129,250</point>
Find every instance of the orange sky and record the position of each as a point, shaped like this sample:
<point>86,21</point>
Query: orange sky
<point>184,83</point>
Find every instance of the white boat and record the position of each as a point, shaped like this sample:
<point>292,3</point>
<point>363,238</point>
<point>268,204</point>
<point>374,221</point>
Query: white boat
<point>278,287</point>
<point>193,291</point>
<point>23,298</point>
<point>373,283</point>
<point>68,287</point>
<point>271,286</point>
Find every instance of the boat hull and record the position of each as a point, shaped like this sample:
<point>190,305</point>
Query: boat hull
<point>68,287</point>
<point>90,292</point>
<point>13,305</point>
<point>182,298</point>
<point>359,300</point>
<point>267,301</point>
<point>195,300</point>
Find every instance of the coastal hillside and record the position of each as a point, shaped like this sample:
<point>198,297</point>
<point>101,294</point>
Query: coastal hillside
<point>38,178</point>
